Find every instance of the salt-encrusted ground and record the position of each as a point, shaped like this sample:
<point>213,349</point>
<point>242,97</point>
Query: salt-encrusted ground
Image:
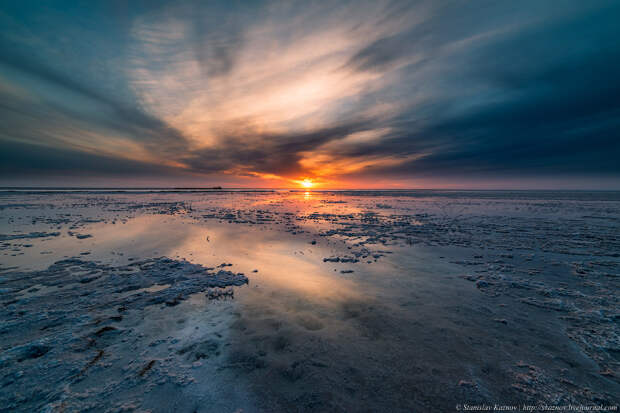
<point>356,301</point>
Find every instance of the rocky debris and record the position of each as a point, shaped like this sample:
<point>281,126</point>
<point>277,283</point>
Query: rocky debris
<point>200,350</point>
<point>341,259</point>
<point>554,304</point>
<point>146,368</point>
<point>32,350</point>
<point>66,327</point>
<point>8,237</point>
<point>220,294</point>
<point>582,293</point>
<point>482,284</point>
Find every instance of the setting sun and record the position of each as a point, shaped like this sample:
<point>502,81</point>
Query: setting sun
<point>307,183</point>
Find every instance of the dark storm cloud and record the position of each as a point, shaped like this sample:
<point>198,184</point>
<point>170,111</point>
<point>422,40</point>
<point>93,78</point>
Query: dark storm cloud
<point>34,160</point>
<point>543,100</point>
<point>480,88</point>
<point>101,111</point>
<point>280,156</point>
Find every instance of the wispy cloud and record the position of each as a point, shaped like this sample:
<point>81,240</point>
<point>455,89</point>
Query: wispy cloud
<point>331,91</point>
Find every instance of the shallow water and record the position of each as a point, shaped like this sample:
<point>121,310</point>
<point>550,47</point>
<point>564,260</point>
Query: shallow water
<point>356,301</point>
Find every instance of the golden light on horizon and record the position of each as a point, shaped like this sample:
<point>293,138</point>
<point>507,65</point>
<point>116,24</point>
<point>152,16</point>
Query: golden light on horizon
<point>306,183</point>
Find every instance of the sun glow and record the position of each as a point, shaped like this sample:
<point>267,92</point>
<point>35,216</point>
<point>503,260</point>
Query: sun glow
<point>306,183</point>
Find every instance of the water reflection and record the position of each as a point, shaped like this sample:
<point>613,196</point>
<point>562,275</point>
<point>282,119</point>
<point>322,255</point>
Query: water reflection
<point>323,325</point>
<point>282,260</point>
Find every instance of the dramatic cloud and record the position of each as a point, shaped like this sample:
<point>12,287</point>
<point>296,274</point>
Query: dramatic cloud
<point>343,93</point>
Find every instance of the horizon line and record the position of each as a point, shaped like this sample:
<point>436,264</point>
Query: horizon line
<point>219,188</point>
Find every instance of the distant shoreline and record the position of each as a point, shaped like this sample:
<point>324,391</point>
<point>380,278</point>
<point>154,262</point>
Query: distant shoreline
<point>236,189</point>
<point>503,194</point>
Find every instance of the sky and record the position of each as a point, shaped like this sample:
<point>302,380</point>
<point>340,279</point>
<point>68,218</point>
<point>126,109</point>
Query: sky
<point>328,94</point>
